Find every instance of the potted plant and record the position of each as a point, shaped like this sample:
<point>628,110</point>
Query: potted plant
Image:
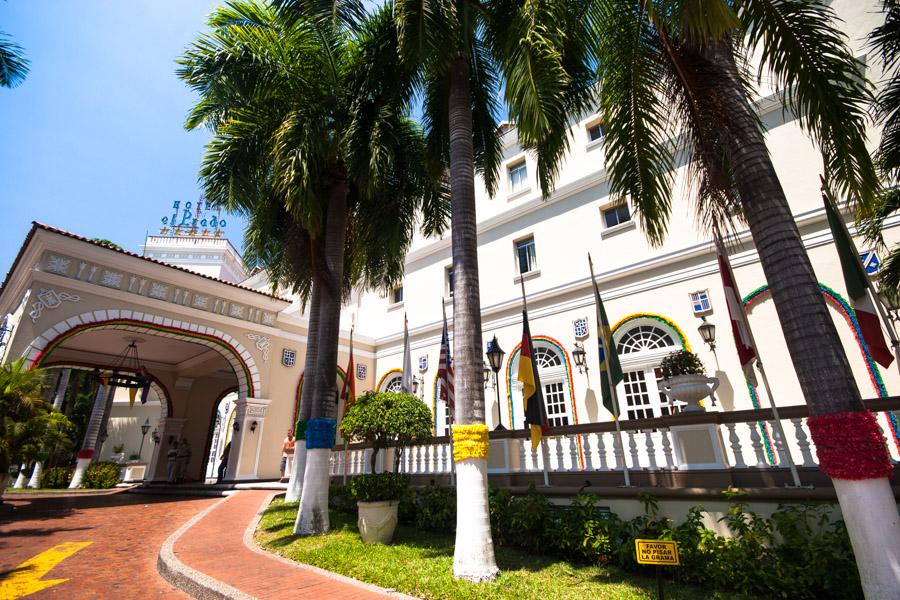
<point>383,419</point>
<point>118,455</point>
<point>377,498</point>
<point>685,380</point>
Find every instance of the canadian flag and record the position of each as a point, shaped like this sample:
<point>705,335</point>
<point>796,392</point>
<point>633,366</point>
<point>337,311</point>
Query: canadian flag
<point>743,341</point>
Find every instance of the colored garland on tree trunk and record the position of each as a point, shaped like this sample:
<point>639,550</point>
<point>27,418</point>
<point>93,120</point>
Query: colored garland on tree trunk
<point>850,446</point>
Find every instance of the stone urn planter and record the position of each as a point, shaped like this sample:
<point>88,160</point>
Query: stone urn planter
<point>377,521</point>
<point>690,389</point>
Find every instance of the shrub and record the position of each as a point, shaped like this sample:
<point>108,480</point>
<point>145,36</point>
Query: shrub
<point>432,508</point>
<point>57,477</point>
<point>378,487</point>
<point>682,362</point>
<point>101,476</point>
<point>387,419</point>
<point>118,448</point>
<point>340,498</point>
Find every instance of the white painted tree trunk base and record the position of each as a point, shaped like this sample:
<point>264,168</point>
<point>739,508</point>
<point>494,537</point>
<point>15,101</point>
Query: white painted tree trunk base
<point>870,513</point>
<point>35,481</point>
<point>81,468</point>
<point>473,556</point>
<point>20,480</point>
<point>312,518</point>
<point>295,483</point>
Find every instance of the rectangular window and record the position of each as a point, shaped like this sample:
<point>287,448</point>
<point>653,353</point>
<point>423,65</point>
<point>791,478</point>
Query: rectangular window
<point>555,401</point>
<point>700,302</point>
<point>596,131</point>
<point>448,278</point>
<point>616,215</point>
<point>525,255</point>
<point>518,177</point>
<point>637,396</point>
<point>397,294</point>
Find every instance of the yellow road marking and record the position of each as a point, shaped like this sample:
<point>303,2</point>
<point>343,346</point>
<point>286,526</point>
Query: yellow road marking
<point>25,579</point>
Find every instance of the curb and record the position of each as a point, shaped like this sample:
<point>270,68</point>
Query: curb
<point>197,584</point>
<point>251,544</point>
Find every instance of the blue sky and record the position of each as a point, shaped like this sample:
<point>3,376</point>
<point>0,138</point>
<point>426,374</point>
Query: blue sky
<point>92,141</point>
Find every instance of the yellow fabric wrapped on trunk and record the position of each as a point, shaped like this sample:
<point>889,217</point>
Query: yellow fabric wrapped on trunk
<point>470,441</point>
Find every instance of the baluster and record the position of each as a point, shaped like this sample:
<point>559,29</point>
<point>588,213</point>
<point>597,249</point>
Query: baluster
<point>735,443</point>
<point>536,457</point>
<point>523,458</point>
<point>573,453</point>
<point>448,458</point>
<point>588,448</point>
<point>632,449</point>
<point>601,452</point>
<point>803,443</point>
<point>780,444</point>
<point>432,458</point>
<point>756,442</point>
<point>651,449</point>
<point>667,449</point>
<point>619,450</point>
<point>558,454</point>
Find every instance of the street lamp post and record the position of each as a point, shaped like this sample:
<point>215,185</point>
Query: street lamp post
<point>144,429</point>
<point>495,356</point>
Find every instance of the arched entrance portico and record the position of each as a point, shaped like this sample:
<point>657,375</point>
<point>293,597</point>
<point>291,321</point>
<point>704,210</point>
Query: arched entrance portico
<point>197,363</point>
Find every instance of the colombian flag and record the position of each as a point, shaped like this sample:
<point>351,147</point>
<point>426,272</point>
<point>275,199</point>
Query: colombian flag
<point>535,412</point>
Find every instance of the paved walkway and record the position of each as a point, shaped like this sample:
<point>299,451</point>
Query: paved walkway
<point>106,546</point>
<point>215,546</point>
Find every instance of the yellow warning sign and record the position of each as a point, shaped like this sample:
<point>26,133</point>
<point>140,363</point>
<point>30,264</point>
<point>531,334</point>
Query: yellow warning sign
<point>657,552</point>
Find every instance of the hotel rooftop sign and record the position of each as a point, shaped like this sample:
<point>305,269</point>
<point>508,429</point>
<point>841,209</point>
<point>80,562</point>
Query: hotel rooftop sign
<point>191,221</point>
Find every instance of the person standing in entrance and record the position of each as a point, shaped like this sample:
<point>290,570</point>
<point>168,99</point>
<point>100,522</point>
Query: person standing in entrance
<point>172,462</point>
<point>287,450</point>
<point>223,462</point>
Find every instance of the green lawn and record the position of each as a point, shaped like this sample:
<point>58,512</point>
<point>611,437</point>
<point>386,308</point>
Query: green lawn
<point>419,563</point>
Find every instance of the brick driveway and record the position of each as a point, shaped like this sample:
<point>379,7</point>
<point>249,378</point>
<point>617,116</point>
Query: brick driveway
<point>127,531</point>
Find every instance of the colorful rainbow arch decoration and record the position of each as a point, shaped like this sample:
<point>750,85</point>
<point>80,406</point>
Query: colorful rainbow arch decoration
<point>568,364</point>
<point>844,308</point>
<point>655,317</point>
<point>384,378</point>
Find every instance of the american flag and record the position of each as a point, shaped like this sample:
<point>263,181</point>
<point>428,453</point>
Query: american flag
<point>445,371</point>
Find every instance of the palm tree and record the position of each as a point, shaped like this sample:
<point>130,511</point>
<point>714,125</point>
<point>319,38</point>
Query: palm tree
<point>13,64</point>
<point>312,140</point>
<point>20,402</point>
<point>462,50</point>
<point>668,69</point>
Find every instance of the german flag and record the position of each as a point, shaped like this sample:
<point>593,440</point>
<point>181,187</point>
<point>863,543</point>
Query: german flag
<point>535,412</point>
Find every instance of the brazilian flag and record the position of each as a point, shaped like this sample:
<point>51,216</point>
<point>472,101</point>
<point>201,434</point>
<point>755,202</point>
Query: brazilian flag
<point>535,411</point>
<point>610,369</point>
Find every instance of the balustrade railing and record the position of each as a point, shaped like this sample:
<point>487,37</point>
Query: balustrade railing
<point>745,439</point>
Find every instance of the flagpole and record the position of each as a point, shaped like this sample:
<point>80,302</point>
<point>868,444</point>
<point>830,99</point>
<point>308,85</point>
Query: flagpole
<point>447,392</point>
<point>346,444</point>
<point>876,299</point>
<point>544,453</point>
<point>620,454</point>
<point>779,428</point>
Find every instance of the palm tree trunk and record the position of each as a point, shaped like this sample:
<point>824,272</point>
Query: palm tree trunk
<point>35,481</point>
<point>817,354</point>
<point>88,447</point>
<point>313,516</point>
<point>295,484</point>
<point>473,557</point>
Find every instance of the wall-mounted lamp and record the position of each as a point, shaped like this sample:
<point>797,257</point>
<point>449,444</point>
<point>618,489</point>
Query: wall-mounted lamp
<point>708,333</point>
<point>579,356</point>
<point>155,435</point>
<point>253,425</point>
<point>236,427</point>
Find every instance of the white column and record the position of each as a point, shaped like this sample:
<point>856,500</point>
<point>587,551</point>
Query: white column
<point>243,460</point>
<point>61,388</point>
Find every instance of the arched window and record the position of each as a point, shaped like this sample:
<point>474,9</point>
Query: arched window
<point>642,338</point>
<point>554,381</point>
<point>394,384</point>
<point>641,347</point>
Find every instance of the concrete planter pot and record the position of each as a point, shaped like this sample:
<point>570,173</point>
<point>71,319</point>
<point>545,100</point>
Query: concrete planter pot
<point>690,389</point>
<point>377,521</point>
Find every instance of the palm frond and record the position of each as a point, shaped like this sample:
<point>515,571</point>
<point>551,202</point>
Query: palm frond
<point>13,64</point>
<point>639,155</point>
<point>822,83</point>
